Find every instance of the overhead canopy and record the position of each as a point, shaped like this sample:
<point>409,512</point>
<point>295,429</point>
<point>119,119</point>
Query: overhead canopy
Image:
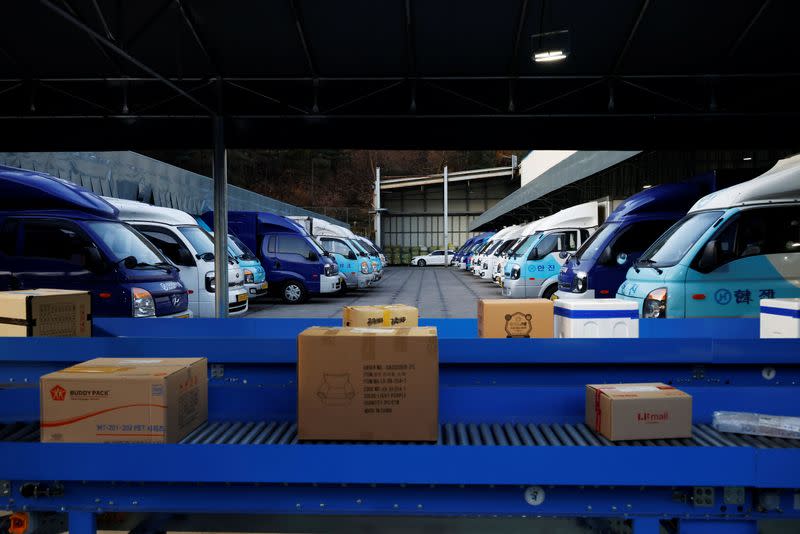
<point>576,167</point>
<point>107,74</point>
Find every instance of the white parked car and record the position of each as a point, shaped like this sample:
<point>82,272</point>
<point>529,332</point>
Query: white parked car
<point>434,258</point>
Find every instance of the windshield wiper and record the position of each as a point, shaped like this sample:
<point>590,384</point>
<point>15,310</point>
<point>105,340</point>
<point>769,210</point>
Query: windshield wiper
<point>647,263</point>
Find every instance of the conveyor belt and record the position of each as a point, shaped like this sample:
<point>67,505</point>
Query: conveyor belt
<point>450,434</point>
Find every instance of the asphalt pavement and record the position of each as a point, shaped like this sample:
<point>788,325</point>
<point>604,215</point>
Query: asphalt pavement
<point>437,292</point>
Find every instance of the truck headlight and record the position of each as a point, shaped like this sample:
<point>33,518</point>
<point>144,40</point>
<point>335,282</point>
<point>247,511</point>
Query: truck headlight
<point>249,277</point>
<point>328,269</point>
<point>580,282</point>
<point>655,304</point>
<point>211,285</point>
<point>364,267</point>
<point>485,266</point>
<point>515,271</point>
<point>142,303</point>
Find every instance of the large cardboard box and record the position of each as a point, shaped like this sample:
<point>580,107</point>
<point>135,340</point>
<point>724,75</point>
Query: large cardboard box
<point>124,400</point>
<point>368,384</point>
<point>45,312</point>
<point>638,411</point>
<point>515,318</point>
<point>392,315</point>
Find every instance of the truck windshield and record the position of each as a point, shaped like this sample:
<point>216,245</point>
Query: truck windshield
<point>241,249</point>
<point>671,247</point>
<point>360,249</point>
<point>594,245</point>
<point>200,240</point>
<point>523,244</point>
<point>369,248</point>
<point>123,241</point>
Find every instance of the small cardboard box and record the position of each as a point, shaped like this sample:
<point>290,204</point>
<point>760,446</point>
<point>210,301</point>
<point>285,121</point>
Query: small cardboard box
<point>509,318</point>
<point>780,318</point>
<point>45,312</point>
<point>638,411</point>
<point>359,384</point>
<point>124,400</point>
<point>393,315</point>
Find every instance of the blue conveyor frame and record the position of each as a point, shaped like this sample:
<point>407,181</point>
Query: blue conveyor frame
<point>511,425</point>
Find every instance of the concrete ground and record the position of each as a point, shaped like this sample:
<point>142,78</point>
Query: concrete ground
<point>436,291</point>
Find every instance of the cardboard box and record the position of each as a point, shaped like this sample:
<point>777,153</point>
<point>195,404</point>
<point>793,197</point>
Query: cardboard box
<point>393,315</point>
<point>361,384</point>
<point>638,411</point>
<point>45,312</point>
<point>124,400</point>
<point>509,318</point>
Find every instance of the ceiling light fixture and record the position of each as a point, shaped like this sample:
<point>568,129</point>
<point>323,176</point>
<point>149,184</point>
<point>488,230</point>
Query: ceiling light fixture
<point>550,47</point>
<point>747,158</point>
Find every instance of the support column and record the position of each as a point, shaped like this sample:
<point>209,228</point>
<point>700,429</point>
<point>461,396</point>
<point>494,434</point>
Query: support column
<point>220,176</point>
<point>378,207</point>
<point>446,242</point>
<point>82,523</point>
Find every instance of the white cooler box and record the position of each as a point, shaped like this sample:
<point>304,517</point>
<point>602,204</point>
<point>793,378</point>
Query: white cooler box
<point>596,318</point>
<point>780,318</point>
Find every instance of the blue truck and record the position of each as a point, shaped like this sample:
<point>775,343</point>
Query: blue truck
<point>598,268</point>
<point>297,266</point>
<point>55,234</point>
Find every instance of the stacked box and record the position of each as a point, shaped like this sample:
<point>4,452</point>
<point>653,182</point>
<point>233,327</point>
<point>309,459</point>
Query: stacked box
<point>45,313</point>
<point>606,318</point>
<point>515,318</point>
<point>391,315</point>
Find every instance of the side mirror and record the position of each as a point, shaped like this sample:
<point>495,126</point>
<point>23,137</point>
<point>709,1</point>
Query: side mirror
<point>312,256</point>
<point>709,256</point>
<point>534,255</point>
<point>130,262</point>
<point>352,255</point>
<point>563,254</point>
<point>205,256</point>
<point>622,258</point>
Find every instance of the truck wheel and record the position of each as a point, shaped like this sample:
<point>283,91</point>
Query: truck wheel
<point>420,263</point>
<point>550,292</point>
<point>293,292</point>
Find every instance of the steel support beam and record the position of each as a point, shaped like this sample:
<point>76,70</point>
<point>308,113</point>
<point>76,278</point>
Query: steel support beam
<point>220,177</point>
<point>746,31</point>
<point>444,183</point>
<point>631,35</point>
<point>190,23</point>
<point>102,40</point>
<point>378,206</point>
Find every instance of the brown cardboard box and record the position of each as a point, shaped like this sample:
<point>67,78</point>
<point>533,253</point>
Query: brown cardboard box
<point>368,384</point>
<point>515,318</point>
<point>638,411</point>
<point>377,316</point>
<point>45,312</point>
<point>124,400</point>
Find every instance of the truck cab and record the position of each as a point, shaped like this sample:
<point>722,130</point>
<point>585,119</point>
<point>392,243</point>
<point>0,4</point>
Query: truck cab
<point>598,268</point>
<point>255,277</point>
<point>296,265</point>
<point>532,271</point>
<point>473,250</point>
<point>55,234</point>
<point>483,269</point>
<point>735,247</point>
<point>493,271</point>
<point>374,256</point>
<point>461,250</point>
<point>178,236</point>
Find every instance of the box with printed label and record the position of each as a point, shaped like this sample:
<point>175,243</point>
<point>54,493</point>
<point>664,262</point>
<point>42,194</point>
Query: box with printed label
<point>45,313</point>
<point>368,384</point>
<point>638,411</point>
<point>392,315</point>
<point>124,400</point>
<point>607,318</point>
<point>780,318</point>
<point>515,318</point>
